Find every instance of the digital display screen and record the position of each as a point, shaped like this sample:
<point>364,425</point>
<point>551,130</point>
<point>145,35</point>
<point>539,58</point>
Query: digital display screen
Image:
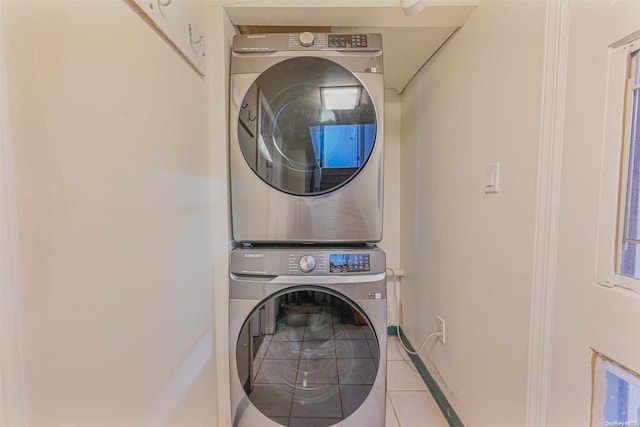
<point>347,263</point>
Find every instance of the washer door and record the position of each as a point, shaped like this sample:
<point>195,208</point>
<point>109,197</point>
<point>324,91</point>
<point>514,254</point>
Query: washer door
<point>307,126</point>
<point>307,356</point>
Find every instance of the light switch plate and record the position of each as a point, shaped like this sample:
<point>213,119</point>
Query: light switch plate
<point>491,177</point>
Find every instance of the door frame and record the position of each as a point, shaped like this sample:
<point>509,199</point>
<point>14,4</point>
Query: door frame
<point>544,275</point>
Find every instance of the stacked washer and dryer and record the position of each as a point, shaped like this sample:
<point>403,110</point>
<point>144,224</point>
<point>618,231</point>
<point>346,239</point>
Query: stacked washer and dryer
<point>307,283</point>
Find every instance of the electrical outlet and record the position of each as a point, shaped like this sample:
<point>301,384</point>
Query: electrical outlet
<point>441,329</point>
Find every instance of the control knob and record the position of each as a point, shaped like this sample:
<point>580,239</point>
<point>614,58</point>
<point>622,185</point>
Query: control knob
<point>307,39</point>
<point>307,263</point>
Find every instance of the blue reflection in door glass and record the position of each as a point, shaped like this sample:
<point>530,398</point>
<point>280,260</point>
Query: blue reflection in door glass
<point>342,146</point>
<point>622,405</point>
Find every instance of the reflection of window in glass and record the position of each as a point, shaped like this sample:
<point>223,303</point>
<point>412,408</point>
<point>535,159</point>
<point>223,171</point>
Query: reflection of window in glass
<point>342,146</point>
<point>303,113</point>
<point>629,226</point>
<point>616,394</point>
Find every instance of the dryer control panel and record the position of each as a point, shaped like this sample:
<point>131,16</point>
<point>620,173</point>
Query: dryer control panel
<point>251,43</point>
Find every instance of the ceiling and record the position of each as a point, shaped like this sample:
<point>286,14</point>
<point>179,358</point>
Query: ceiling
<point>409,41</point>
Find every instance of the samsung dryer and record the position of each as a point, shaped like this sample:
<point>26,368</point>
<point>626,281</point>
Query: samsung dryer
<point>308,337</point>
<point>306,138</point>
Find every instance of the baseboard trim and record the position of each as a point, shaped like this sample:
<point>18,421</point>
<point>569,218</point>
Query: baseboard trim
<point>444,405</point>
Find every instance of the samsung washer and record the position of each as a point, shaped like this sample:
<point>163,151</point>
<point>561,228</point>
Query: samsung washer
<point>308,337</point>
<point>306,138</point>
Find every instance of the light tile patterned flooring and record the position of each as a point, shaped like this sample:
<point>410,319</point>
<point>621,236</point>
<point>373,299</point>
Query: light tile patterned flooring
<point>409,403</point>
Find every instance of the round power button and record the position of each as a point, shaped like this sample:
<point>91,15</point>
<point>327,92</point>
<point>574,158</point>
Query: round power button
<point>307,263</point>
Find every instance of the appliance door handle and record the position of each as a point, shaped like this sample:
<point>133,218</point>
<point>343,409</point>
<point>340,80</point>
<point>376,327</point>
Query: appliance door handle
<point>312,280</point>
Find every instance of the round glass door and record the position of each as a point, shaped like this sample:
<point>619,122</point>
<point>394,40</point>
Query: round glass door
<point>306,126</point>
<point>307,354</point>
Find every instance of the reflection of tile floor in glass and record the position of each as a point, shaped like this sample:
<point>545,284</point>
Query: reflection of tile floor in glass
<point>314,371</point>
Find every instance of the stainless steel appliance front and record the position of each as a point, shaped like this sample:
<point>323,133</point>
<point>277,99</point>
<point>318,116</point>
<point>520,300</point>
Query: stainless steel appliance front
<point>308,337</point>
<point>306,138</point>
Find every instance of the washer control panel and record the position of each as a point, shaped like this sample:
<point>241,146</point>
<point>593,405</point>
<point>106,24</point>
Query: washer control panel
<point>337,263</point>
<point>334,262</point>
<point>307,262</point>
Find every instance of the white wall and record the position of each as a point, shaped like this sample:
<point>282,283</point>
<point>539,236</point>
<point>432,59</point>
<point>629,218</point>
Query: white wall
<point>14,397</point>
<point>116,200</point>
<point>468,255</point>
<point>391,217</point>
<point>586,315</point>
<point>219,43</point>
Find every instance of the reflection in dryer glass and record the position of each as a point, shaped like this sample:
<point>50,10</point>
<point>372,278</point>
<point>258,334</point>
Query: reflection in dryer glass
<point>297,137</point>
<point>307,358</point>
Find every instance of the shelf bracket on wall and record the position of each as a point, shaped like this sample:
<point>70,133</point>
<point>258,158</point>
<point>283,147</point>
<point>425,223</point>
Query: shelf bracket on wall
<point>171,21</point>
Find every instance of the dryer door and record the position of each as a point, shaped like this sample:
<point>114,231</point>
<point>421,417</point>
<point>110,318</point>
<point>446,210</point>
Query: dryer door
<point>307,126</point>
<point>314,355</point>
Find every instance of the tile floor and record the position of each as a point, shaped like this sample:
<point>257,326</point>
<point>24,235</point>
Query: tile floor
<point>409,403</point>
